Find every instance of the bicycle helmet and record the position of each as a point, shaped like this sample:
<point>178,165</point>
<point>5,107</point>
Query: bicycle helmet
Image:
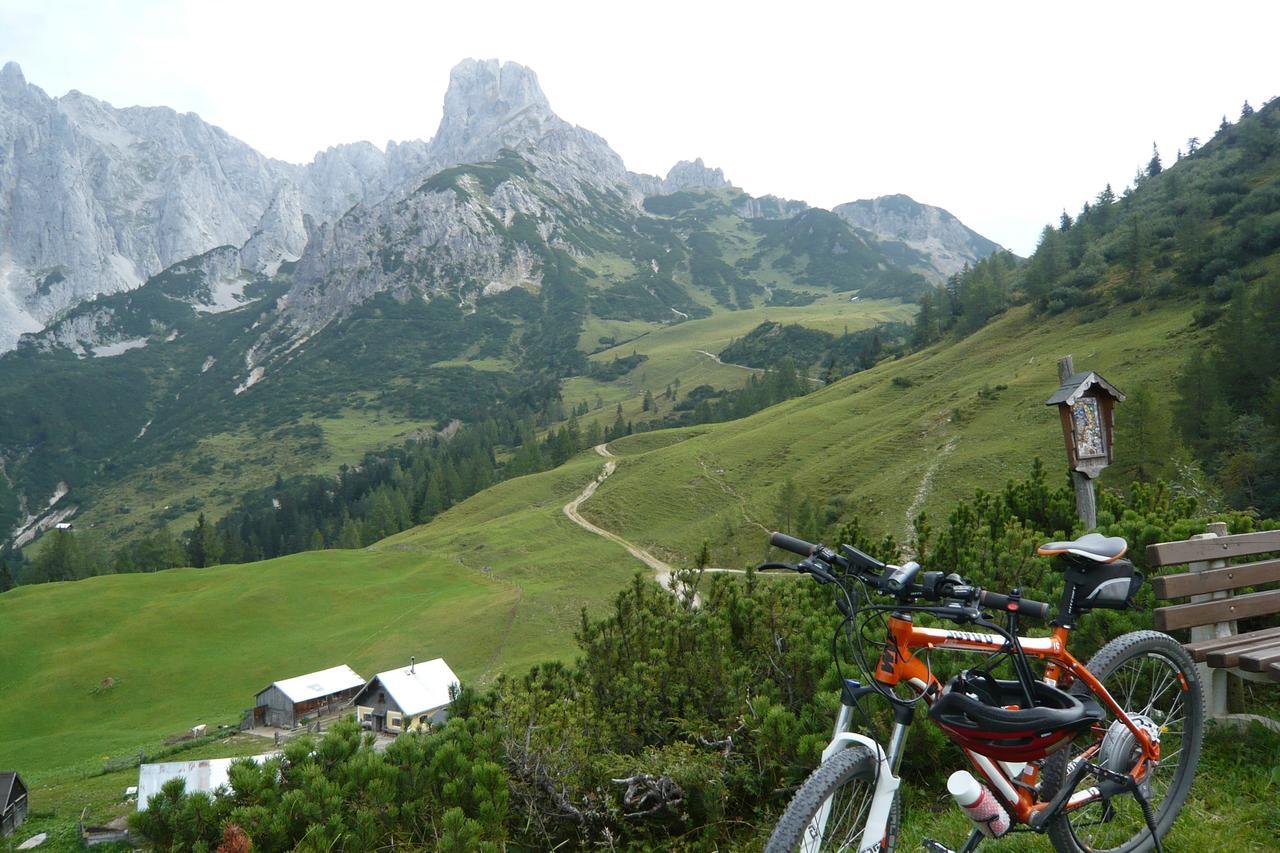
<point>986,715</point>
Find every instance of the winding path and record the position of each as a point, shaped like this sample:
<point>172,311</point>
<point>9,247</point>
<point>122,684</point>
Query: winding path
<point>922,492</point>
<point>756,370</point>
<point>662,571</point>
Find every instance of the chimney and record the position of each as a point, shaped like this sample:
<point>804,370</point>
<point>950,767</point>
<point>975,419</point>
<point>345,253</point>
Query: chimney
<point>412,660</point>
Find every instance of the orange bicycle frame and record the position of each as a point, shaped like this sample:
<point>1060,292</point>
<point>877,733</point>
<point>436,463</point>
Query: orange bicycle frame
<point>899,665</point>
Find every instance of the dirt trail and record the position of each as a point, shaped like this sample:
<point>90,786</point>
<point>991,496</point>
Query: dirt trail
<point>717,360</point>
<point>756,370</point>
<point>662,571</point>
<point>926,483</point>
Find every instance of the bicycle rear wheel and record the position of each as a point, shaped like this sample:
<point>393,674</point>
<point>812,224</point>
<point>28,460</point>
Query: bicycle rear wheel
<point>848,781</point>
<point>1155,681</point>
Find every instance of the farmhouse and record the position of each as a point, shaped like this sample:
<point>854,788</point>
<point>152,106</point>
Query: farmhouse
<point>407,699</point>
<point>13,802</point>
<point>286,702</point>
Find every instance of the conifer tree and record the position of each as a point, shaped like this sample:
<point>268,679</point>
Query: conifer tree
<point>1153,165</point>
<point>198,555</point>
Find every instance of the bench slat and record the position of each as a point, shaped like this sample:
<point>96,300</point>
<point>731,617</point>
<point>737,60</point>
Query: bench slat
<point>1216,580</point>
<point>1220,548</point>
<point>1200,649</point>
<point>1274,671</point>
<point>1230,656</point>
<point>1222,610</point>
<point>1258,659</point>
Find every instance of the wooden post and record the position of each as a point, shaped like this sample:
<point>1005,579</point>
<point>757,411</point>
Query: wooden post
<point>1086,502</point>
<point>1215,680</point>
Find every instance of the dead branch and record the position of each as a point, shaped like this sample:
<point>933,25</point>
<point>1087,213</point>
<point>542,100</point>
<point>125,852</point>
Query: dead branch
<point>647,794</point>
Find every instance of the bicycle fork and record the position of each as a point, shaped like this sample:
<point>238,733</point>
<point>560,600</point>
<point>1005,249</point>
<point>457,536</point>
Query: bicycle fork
<point>876,830</point>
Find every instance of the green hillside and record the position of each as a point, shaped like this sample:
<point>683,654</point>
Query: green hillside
<point>495,585</point>
<point>516,572</point>
<point>173,427</point>
<point>917,433</point>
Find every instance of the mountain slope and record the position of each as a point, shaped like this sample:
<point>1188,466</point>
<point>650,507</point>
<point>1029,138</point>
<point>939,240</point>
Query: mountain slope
<point>909,434</point>
<point>867,441</point>
<point>946,244</point>
<point>382,319</point>
<point>372,295</point>
<point>98,199</point>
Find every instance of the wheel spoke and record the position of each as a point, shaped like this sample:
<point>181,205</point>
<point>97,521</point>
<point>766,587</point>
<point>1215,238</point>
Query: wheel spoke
<point>1150,687</point>
<point>847,820</point>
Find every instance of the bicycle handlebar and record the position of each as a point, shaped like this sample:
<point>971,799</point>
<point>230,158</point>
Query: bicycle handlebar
<point>900,580</point>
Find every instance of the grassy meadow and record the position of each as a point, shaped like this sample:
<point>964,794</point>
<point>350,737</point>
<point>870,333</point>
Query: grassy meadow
<point>917,433</point>
<point>497,583</point>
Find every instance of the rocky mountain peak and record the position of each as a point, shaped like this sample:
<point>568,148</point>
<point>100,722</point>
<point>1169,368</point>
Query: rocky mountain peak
<point>16,91</point>
<point>687,175</point>
<point>492,85</point>
<point>11,75</point>
<point>490,105</point>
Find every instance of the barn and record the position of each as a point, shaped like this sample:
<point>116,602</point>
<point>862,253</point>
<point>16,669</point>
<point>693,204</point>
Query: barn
<point>13,802</point>
<point>285,703</point>
<point>407,699</point>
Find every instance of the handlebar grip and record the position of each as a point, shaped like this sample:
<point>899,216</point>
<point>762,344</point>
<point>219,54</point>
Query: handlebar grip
<point>792,544</point>
<point>1024,606</point>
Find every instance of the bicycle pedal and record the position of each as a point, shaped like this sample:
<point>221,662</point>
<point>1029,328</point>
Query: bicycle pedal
<point>935,847</point>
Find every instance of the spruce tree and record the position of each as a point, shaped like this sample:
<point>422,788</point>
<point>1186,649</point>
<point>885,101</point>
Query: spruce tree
<point>196,555</point>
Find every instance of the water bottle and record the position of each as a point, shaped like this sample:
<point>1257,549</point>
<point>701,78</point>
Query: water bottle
<point>979,804</point>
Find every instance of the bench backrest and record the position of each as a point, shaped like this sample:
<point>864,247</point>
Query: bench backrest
<point>1215,580</point>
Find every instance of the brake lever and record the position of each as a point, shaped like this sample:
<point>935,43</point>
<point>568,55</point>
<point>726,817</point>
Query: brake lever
<point>820,570</point>
<point>962,614</point>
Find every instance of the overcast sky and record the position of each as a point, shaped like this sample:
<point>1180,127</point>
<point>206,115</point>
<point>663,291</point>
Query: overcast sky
<point>1003,113</point>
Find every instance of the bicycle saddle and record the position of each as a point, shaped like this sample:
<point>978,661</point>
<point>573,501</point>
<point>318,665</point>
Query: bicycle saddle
<point>1092,546</point>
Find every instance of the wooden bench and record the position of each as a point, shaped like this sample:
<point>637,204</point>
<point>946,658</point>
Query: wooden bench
<point>1213,610</point>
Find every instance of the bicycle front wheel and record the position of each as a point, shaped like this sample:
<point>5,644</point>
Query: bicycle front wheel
<point>1155,681</point>
<point>845,786</point>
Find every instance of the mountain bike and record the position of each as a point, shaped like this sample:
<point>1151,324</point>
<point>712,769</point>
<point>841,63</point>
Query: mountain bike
<point>1098,756</point>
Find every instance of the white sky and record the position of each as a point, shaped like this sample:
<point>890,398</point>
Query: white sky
<point>1003,113</point>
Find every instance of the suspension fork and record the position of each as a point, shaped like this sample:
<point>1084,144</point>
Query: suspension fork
<point>887,781</point>
<point>902,717</point>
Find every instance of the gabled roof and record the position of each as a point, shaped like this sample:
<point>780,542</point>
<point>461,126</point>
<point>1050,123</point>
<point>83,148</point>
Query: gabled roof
<point>316,685</point>
<point>8,778</point>
<point>1077,384</point>
<point>425,687</point>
